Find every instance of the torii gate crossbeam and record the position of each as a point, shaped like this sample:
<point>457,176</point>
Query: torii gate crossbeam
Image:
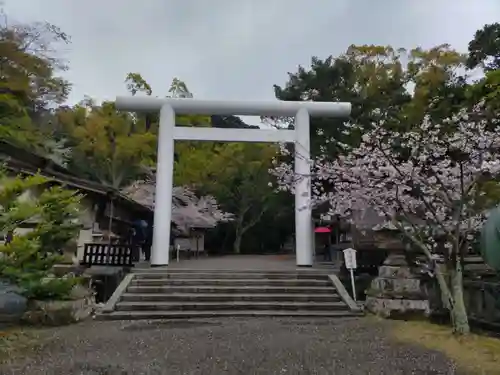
<point>168,133</point>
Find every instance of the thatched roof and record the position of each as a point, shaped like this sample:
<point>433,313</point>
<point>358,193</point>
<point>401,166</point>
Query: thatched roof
<point>188,210</point>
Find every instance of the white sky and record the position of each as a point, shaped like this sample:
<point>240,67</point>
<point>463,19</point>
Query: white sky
<point>236,49</point>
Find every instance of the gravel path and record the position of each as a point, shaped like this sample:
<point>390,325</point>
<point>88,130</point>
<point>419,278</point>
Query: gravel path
<point>232,346</point>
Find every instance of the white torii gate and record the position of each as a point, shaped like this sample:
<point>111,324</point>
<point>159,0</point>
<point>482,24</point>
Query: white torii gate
<point>168,132</point>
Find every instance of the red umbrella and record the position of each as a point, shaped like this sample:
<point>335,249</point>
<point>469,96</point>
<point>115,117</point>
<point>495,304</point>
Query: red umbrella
<point>322,230</point>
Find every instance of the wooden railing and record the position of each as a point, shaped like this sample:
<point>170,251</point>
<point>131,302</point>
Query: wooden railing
<point>103,254</point>
<point>481,294</point>
<point>482,299</point>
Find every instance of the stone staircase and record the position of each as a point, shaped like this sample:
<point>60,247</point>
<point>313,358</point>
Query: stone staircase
<point>167,294</point>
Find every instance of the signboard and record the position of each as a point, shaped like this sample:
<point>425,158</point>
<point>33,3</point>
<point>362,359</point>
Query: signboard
<point>350,259</point>
<point>351,265</point>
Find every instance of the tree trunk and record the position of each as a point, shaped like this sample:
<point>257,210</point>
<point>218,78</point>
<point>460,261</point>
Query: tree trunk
<point>237,242</point>
<point>459,311</point>
<point>452,297</point>
<point>446,296</point>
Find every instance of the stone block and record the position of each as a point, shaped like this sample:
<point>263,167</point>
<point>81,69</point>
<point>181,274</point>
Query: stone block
<point>395,259</point>
<point>395,272</point>
<point>403,287</point>
<point>397,308</point>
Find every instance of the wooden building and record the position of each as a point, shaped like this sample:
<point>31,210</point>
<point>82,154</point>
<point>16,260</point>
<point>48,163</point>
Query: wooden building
<point>106,215</point>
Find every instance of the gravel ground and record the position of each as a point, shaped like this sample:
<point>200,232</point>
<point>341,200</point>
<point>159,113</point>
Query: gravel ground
<point>232,346</point>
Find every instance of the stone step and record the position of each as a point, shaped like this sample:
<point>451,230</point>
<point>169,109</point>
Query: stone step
<point>230,282</point>
<point>244,289</point>
<point>190,314</point>
<point>228,305</point>
<point>209,297</point>
<point>231,275</point>
<point>307,271</point>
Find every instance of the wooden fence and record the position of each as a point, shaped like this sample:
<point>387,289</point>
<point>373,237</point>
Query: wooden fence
<point>481,294</point>
<point>482,299</point>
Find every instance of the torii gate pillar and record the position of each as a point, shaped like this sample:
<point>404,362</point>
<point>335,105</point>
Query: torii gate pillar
<point>168,133</point>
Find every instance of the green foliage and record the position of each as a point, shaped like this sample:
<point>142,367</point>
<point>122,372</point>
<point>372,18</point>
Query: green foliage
<point>484,49</point>
<point>58,218</point>
<point>135,83</point>
<point>179,89</point>
<point>236,174</point>
<point>109,143</point>
<point>487,89</point>
<point>112,146</point>
<point>29,80</point>
<point>58,289</point>
<point>27,260</point>
<point>25,265</point>
<point>370,77</point>
<point>28,68</point>
<point>13,210</point>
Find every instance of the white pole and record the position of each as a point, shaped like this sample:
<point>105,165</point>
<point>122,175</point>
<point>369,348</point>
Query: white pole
<point>313,242</point>
<point>163,195</point>
<point>303,213</point>
<point>352,284</point>
<point>178,248</point>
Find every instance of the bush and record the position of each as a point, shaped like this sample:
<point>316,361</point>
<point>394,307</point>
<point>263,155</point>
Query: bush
<point>59,213</point>
<point>51,289</point>
<point>27,261</point>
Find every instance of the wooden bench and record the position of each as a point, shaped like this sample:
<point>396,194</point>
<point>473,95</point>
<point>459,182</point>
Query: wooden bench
<point>102,254</point>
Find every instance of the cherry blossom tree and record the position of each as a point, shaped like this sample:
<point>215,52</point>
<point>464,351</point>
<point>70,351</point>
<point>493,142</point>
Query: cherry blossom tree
<point>188,210</point>
<point>428,183</point>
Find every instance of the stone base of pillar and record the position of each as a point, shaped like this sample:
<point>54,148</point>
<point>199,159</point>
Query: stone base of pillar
<point>396,292</point>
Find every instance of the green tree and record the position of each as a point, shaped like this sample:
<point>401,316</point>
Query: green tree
<point>384,84</point>
<point>484,48</point>
<point>484,52</point>
<point>29,83</point>
<point>108,145</point>
<point>27,260</point>
<point>376,80</point>
<point>178,89</point>
<point>58,218</point>
<point>136,83</point>
<point>237,175</point>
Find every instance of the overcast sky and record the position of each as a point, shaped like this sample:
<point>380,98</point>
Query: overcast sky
<point>236,49</point>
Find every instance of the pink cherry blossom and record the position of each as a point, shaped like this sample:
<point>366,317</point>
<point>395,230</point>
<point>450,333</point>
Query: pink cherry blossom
<point>424,181</point>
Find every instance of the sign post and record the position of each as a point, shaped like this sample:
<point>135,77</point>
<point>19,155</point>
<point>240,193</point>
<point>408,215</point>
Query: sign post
<point>178,248</point>
<point>351,265</point>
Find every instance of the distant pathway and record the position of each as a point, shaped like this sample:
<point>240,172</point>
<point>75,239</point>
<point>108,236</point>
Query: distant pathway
<point>283,262</point>
<point>217,347</point>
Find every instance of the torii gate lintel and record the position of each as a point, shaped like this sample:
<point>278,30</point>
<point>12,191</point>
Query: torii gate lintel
<point>168,133</point>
